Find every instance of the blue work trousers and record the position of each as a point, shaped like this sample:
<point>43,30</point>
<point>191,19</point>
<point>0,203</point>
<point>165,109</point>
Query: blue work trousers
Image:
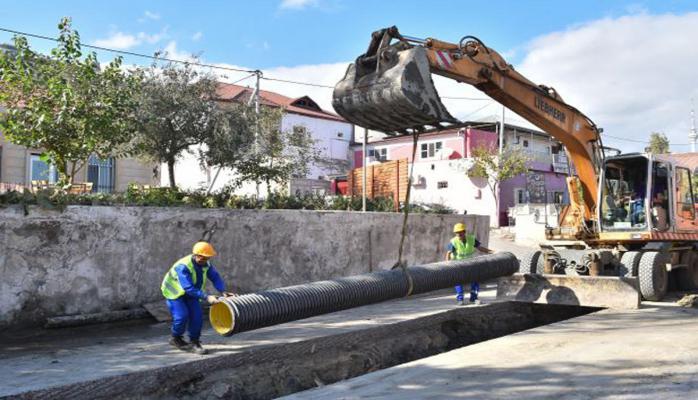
<point>474,291</point>
<point>186,310</point>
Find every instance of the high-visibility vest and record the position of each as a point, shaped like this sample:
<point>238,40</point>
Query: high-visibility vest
<point>171,288</point>
<point>462,250</point>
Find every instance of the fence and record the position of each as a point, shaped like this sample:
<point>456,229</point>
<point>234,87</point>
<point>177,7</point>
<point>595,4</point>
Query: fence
<point>388,179</point>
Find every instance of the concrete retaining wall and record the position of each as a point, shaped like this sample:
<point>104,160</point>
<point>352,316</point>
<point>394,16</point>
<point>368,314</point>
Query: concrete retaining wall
<point>94,259</point>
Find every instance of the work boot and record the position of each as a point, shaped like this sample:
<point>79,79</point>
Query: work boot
<point>460,302</point>
<point>180,343</point>
<point>197,347</point>
<point>476,302</point>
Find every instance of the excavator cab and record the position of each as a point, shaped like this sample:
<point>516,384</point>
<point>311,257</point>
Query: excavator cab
<point>389,88</point>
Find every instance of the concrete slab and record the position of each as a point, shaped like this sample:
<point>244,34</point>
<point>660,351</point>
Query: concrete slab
<point>649,353</point>
<point>46,359</point>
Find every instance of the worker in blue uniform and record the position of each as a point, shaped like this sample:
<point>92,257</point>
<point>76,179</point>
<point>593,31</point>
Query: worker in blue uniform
<point>184,288</point>
<point>462,246</point>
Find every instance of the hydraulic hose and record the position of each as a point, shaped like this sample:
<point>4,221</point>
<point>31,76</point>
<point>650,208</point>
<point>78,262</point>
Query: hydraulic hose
<point>276,306</point>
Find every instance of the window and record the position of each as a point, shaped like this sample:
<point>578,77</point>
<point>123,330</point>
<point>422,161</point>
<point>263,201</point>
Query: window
<point>299,129</point>
<point>379,154</point>
<point>442,185</point>
<point>525,143</point>
<point>520,196</point>
<point>556,197</point>
<point>41,171</point>
<point>684,195</point>
<point>101,173</point>
<point>429,150</point>
<point>340,134</point>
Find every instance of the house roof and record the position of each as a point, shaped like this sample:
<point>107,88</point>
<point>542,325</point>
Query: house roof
<point>302,105</point>
<point>688,160</point>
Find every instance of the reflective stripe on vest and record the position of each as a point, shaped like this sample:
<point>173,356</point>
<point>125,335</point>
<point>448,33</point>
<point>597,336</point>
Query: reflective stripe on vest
<point>463,250</point>
<point>171,288</point>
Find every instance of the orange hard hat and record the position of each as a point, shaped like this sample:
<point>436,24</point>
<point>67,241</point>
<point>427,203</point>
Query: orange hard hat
<point>203,249</point>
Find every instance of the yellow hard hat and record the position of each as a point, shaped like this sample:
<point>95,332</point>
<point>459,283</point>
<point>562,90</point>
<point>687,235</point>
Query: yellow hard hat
<point>459,227</point>
<point>203,249</point>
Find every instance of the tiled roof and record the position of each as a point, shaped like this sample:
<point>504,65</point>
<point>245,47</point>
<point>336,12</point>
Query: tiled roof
<point>237,93</point>
<point>688,160</point>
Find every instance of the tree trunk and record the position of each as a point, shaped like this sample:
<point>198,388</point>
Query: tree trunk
<point>170,171</point>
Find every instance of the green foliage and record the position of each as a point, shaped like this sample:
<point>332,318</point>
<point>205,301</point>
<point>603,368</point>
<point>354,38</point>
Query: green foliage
<point>494,169</point>
<point>278,155</point>
<point>178,110</point>
<point>659,144</point>
<point>66,104</point>
<point>56,199</point>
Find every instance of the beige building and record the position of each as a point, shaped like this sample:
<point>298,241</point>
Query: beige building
<point>20,165</point>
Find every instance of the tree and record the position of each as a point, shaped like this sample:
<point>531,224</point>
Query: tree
<point>495,169</point>
<point>659,144</point>
<point>278,155</point>
<point>64,104</point>
<point>178,110</point>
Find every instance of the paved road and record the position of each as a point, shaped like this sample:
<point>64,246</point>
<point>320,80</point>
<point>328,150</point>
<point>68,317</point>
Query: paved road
<point>649,353</point>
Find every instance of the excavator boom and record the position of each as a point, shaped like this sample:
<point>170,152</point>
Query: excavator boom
<point>389,88</point>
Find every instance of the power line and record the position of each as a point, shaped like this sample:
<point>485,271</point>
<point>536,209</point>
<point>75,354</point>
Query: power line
<point>640,141</point>
<point>249,71</point>
<point>130,53</point>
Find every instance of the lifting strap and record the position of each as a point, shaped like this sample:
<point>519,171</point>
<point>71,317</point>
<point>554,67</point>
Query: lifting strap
<point>406,209</point>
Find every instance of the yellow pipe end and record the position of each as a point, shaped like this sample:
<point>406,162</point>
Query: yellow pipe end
<point>222,318</point>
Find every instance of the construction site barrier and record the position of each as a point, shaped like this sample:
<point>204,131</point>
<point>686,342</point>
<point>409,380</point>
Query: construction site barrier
<point>236,314</point>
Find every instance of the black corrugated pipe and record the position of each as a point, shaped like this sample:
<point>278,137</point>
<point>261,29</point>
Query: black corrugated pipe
<point>271,307</point>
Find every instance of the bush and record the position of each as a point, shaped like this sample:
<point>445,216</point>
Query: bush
<point>167,197</point>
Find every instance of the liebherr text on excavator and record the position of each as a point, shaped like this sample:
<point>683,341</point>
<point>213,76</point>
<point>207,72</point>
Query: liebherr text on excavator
<point>630,228</point>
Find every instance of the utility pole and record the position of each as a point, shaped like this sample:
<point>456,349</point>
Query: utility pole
<point>363,185</point>
<point>693,135</point>
<point>255,98</point>
<point>501,132</point>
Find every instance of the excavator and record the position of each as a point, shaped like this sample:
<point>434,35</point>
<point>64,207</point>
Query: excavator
<point>629,232</point>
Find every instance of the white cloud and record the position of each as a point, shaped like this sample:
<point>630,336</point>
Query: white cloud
<point>173,53</point>
<point>197,36</point>
<point>118,40</point>
<point>632,75</point>
<point>122,41</point>
<point>297,4</point>
<point>147,15</point>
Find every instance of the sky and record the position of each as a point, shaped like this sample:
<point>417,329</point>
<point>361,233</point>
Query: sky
<point>631,66</point>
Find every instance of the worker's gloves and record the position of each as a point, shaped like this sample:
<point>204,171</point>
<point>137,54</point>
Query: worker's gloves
<point>212,299</point>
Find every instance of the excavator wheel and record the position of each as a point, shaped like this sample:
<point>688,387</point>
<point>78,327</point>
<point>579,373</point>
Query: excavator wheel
<point>653,276</point>
<point>532,263</point>
<point>688,277</point>
<point>629,263</point>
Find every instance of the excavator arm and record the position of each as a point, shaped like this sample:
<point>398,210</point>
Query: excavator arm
<point>390,89</point>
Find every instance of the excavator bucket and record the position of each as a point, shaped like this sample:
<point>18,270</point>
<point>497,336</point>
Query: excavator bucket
<point>586,291</point>
<point>390,89</point>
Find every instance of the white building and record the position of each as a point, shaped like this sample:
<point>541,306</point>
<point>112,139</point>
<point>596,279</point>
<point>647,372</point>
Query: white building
<point>332,133</point>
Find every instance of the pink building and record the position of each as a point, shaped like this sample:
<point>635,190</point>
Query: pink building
<point>443,158</point>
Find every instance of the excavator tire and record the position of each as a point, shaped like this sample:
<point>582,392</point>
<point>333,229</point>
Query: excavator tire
<point>653,276</point>
<point>532,263</point>
<point>688,277</point>
<point>629,263</point>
